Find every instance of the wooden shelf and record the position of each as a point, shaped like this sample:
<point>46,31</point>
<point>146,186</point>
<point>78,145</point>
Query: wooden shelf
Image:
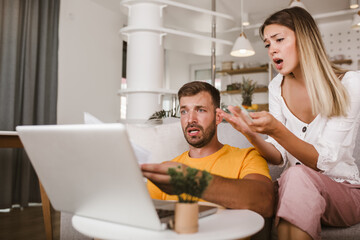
<point>344,61</point>
<point>245,70</point>
<point>263,107</point>
<point>257,90</point>
<point>266,68</point>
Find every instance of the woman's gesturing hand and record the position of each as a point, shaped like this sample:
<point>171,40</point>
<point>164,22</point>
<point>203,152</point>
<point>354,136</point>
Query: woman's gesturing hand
<point>261,122</point>
<point>240,121</point>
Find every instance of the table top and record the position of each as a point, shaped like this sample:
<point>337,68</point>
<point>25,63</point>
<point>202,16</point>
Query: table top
<point>10,139</point>
<point>8,133</point>
<point>225,224</point>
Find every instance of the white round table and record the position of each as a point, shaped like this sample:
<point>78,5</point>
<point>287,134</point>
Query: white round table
<point>225,224</point>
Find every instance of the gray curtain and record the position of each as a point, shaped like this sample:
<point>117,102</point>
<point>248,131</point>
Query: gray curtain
<point>28,87</point>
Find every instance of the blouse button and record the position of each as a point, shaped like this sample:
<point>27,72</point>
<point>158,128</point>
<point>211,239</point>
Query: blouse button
<point>304,129</point>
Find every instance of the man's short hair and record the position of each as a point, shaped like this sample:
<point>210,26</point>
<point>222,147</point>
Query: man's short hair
<point>192,88</point>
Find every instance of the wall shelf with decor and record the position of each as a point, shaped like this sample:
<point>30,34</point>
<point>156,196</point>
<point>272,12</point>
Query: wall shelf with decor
<point>231,95</point>
<point>262,69</point>
<point>245,70</point>
<point>263,107</point>
<point>344,61</point>
<point>257,90</point>
<point>266,68</point>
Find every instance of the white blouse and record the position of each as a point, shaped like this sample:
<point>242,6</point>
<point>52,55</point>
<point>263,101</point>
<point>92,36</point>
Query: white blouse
<point>333,138</point>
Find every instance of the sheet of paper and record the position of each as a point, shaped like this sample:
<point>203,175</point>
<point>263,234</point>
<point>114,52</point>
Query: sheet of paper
<point>142,155</point>
<point>90,119</point>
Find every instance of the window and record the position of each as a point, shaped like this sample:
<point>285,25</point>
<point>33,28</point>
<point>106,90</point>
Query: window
<point>123,100</point>
<point>202,72</point>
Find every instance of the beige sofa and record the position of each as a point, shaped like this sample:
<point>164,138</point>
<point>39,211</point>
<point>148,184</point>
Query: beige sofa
<point>166,141</point>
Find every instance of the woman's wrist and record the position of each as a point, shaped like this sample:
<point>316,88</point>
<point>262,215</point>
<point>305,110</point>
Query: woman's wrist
<point>278,131</point>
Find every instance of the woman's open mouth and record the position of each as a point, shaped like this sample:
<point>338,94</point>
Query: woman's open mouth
<point>278,63</point>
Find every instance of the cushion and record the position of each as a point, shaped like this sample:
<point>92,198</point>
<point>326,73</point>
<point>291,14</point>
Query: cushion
<point>228,135</point>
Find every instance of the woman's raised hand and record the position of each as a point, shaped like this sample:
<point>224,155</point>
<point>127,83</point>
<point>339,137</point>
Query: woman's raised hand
<point>261,122</point>
<point>240,121</point>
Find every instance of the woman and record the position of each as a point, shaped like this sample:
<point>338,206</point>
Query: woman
<point>312,126</point>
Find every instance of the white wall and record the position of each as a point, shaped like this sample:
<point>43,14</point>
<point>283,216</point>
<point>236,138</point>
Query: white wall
<point>177,66</point>
<point>340,39</point>
<point>90,59</point>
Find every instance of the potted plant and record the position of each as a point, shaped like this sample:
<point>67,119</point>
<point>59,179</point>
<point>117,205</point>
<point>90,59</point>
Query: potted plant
<point>188,184</point>
<point>248,88</point>
<point>156,118</point>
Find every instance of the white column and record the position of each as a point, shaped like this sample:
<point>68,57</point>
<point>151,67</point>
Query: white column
<point>145,60</point>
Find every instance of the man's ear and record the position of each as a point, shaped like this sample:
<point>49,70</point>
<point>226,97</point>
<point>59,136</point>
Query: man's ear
<point>218,117</point>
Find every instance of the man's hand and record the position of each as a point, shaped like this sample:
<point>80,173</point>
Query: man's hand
<point>157,173</point>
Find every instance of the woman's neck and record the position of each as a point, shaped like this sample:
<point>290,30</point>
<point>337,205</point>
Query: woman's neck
<point>297,75</point>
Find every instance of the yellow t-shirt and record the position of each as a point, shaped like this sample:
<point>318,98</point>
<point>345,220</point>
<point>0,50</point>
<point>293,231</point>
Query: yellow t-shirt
<point>229,162</point>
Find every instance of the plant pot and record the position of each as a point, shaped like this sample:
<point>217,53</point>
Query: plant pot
<point>186,217</point>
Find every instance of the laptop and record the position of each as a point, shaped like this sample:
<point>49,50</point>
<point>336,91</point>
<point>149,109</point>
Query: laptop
<point>91,170</point>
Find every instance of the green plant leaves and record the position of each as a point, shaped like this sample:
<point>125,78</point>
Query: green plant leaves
<point>190,186</point>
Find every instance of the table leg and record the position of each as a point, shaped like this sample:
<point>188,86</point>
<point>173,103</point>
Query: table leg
<point>46,207</point>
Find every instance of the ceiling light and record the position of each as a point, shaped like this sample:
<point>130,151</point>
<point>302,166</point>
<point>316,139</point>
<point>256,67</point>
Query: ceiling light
<point>297,3</point>
<point>354,4</point>
<point>242,46</point>
<point>356,21</point>
<point>245,19</point>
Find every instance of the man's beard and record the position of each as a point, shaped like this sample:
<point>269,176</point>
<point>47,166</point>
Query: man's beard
<point>206,135</point>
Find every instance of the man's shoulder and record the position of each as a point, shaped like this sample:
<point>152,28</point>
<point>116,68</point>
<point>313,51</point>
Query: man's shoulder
<point>245,153</point>
<point>237,150</point>
<point>181,157</point>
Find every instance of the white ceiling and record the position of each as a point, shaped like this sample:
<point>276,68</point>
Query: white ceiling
<point>259,10</point>
<point>324,11</point>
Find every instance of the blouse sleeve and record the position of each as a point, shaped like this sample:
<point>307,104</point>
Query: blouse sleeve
<point>336,142</point>
<point>275,109</point>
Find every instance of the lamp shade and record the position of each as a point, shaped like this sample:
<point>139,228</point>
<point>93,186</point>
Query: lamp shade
<point>242,47</point>
<point>245,19</point>
<point>354,4</point>
<point>356,21</point>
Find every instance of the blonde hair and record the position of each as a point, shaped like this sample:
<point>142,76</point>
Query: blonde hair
<point>327,94</point>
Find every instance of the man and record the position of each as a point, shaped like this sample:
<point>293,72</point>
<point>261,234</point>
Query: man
<point>240,177</point>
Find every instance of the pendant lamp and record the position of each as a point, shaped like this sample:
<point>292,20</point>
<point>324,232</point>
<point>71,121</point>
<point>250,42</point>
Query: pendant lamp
<point>242,46</point>
<point>245,19</point>
<point>356,21</point>
<point>297,3</point>
<point>354,4</point>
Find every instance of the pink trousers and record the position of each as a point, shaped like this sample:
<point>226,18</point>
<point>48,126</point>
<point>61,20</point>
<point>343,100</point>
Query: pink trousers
<point>308,199</point>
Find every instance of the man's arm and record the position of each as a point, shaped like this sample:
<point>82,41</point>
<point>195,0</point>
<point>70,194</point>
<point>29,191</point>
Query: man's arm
<point>254,191</point>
